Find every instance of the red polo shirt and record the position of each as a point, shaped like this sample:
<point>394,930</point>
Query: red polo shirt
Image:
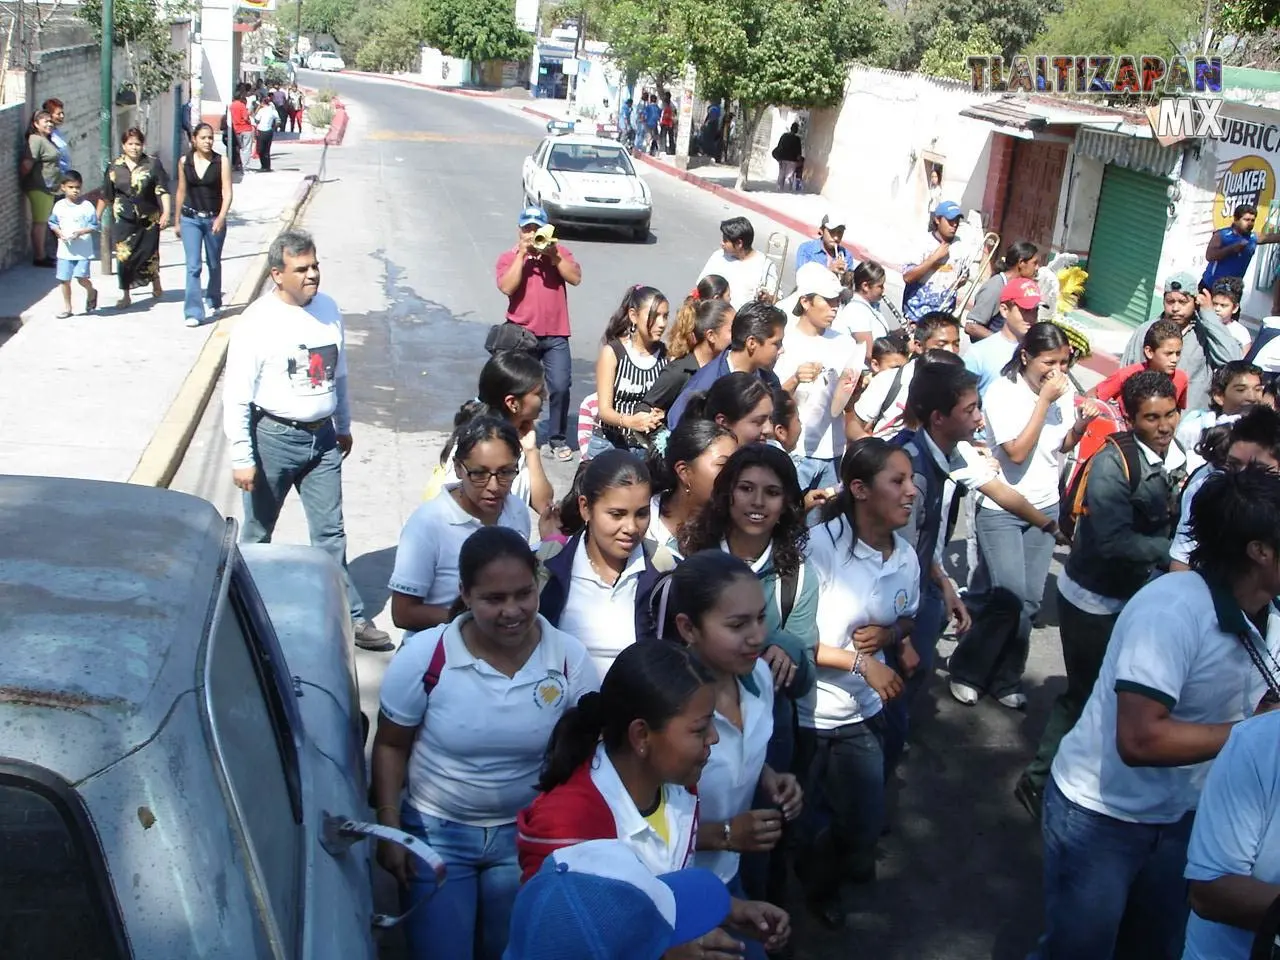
<point>541,302</point>
<point>240,118</point>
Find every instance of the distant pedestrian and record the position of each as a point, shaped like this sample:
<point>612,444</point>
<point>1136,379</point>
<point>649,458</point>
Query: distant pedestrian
<point>667,123</point>
<point>297,103</point>
<point>137,188</point>
<point>652,117</point>
<point>265,119</point>
<point>533,275</point>
<point>54,107</point>
<point>74,221</point>
<point>788,152</point>
<point>40,179</point>
<point>287,413</point>
<point>204,197</point>
<point>280,97</point>
<point>242,130</point>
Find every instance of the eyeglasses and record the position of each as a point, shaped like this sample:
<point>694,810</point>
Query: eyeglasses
<point>480,476</point>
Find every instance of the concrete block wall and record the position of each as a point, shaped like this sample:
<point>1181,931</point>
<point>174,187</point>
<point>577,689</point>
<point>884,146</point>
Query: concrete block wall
<point>72,75</point>
<point>13,206</point>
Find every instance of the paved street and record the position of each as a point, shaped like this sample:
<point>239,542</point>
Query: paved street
<point>413,211</point>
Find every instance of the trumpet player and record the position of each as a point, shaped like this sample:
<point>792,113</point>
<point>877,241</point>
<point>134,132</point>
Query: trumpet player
<point>825,248</point>
<point>535,275</point>
<point>930,274</point>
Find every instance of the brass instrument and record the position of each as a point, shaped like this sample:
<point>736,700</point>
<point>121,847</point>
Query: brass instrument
<point>775,251</point>
<point>545,237</point>
<point>981,258</point>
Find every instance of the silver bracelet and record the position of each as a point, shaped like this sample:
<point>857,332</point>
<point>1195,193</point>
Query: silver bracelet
<point>857,662</point>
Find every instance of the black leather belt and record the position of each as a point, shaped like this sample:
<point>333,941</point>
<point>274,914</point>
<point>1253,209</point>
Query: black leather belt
<point>311,426</point>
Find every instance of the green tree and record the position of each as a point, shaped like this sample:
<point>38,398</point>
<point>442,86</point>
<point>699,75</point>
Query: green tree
<point>1011,26</point>
<point>142,28</point>
<point>948,55</point>
<point>475,30</point>
<point>1134,27</point>
<point>645,38</point>
<point>387,36</point>
<point>1248,16</point>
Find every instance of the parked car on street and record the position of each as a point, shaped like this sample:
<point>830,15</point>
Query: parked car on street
<point>587,181</point>
<point>327,61</point>
<point>181,745</point>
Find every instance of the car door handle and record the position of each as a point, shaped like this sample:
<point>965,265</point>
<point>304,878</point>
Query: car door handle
<point>340,834</point>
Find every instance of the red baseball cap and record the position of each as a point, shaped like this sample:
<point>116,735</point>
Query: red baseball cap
<point>1021,291</point>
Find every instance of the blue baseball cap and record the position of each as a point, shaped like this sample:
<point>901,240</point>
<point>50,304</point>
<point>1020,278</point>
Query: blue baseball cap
<point>598,901</point>
<point>948,210</point>
<point>533,215</point>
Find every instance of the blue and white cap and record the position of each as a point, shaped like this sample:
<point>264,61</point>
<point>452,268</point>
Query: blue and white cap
<point>533,215</point>
<point>598,901</point>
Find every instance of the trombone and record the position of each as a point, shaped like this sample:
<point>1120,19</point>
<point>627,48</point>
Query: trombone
<point>775,251</point>
<point>982,257</point>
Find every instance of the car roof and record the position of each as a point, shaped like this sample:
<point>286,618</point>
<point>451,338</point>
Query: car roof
<point>105,593</point>
<point>582,139</point>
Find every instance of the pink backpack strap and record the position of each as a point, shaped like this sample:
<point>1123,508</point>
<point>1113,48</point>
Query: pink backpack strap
<point>434,668</point>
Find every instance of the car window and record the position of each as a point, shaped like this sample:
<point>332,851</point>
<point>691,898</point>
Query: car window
<point>258,756</point>
<point>56,900</point>
<point>541,153</point>
<point>589,158</point>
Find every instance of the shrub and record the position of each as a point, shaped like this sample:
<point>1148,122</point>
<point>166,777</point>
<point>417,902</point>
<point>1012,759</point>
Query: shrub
<point>320,114</point>
<point>326,95</point>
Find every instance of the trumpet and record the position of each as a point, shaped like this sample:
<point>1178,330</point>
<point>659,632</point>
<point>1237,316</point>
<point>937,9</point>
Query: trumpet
<point>981,258</point>
<point>775,251</point>
<point>543,239</point>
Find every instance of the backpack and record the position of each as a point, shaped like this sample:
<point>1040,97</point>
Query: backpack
<point>1073,501</point>
<point>788,587</point>
<point>431,679</point>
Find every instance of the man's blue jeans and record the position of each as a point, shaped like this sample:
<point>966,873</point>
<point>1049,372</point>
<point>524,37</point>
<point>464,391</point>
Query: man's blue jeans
<point>929,621</point>
<point>557,367</point>
<point>469,916</point>
<point>1111,888</point>
<point>310,462</point>
<point>198,235</point>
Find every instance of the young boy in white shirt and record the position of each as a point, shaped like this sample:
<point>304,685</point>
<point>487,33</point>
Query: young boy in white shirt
<point>74,221</point>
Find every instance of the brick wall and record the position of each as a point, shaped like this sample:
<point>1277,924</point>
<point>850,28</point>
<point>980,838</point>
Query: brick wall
<point>72,75</point>
<point>13,208</point>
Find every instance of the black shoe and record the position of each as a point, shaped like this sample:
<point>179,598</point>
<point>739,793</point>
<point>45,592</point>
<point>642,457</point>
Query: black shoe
<point>827,910</point>
<point>1030,796</point>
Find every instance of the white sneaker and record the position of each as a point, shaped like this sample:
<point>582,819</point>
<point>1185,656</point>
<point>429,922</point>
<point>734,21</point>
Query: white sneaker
<point>964,693</point>
<point>1014,701</point>
<point>191,322</point>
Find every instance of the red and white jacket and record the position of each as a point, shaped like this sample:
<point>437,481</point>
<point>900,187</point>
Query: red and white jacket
<point>594,805</point>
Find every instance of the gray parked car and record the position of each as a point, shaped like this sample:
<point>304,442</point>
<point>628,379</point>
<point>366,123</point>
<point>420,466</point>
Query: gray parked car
<point>181,745</point>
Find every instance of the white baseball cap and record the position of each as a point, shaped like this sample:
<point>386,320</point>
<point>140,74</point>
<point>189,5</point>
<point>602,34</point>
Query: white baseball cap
<point>833,220</point>
<point>815,280</point>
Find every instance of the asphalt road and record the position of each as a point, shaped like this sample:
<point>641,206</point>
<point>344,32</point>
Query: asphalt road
<point>414,209</point>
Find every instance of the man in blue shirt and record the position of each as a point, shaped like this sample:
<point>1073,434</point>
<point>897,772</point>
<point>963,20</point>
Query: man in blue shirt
<point>652,114</point>
<point>755,341</point>
<point>825,248</point>
<point>1019,301</point>
<point>1230,249</point>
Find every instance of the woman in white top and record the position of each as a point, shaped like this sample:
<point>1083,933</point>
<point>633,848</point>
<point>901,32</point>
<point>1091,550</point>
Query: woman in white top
<point>714,604</point>
<point>630,360</point>
<point>868,594</point>
<point>860,317</point>
<point>466,711</point>
<point>1032,422</point>
<point>696,451</point>
<point>424,583</point>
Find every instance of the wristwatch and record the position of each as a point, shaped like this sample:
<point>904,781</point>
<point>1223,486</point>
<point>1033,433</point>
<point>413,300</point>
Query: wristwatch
<point>728,835</point>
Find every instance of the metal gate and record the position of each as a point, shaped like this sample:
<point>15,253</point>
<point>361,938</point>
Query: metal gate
<point>1128,235</point>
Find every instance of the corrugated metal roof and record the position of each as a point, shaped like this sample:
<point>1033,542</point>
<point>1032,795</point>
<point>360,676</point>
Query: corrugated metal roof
<point>1133,153</point>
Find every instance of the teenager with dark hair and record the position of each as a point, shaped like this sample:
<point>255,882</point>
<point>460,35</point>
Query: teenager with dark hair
<point>684,476</point>
<point>754,345</point>
<point>1122,538</point>
<point>1191,655</point>
<point>1236,387</point>
<point>739,402</point>
<point>1021,261</point>
<point>879,409</point>
<point>1161,349</point>
<point>1016,307</point>
<point>424,581</point>
<point>1032,423</point>
<point>629,363</point>
<point>464,782</point>
<point>860,316</point>
<point>701,338</point>
<point>749,272</point>
<point>1224,298</point>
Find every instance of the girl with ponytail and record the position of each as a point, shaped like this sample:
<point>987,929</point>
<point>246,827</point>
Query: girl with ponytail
<point>683,336</point>
<point>1021,261</point>
<point>683,477</point>
<point>700,333</point>
<point>630,360</point>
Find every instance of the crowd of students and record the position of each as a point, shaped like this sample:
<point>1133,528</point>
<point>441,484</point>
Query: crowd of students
<point>692,675</point>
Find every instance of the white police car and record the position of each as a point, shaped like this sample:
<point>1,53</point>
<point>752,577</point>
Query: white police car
<point>587,181</point>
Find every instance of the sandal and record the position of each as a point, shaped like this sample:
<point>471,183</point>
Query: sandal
<point>64,315</point>
<point>562,453</point>
<point>91,301</point>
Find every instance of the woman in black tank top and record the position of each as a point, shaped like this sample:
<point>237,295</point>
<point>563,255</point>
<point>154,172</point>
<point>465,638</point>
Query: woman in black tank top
<point>204,197</point>
<point>630,360</point>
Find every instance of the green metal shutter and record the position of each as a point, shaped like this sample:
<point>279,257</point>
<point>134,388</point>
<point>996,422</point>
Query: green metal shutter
<point>1128,235</point>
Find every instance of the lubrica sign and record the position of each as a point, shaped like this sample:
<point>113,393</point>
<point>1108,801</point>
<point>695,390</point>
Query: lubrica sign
<point>1248,153</point>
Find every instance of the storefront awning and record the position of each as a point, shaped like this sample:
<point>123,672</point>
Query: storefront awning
<point>1021,117</point>
<point>1010,116</point>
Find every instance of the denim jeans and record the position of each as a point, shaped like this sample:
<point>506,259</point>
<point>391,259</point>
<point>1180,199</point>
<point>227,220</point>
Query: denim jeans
<point>557,366</point>
<point>1084,646</point>
<point>198,235</point>
<point>929,620</point>
<point>291,458</point>
<point>1008,587</point>
<point>1111,888</point>
<point>815,473</point>
<point>469,916</point>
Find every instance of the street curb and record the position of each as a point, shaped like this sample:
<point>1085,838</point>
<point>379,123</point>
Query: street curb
<point>1099,362</point>
<point>460,91</point>
<point>168,445</point>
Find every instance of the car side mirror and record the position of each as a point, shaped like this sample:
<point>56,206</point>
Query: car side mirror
<point>340,834</point>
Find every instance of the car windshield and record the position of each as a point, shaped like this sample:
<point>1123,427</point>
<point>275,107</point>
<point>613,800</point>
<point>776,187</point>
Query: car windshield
<point>589,158</point>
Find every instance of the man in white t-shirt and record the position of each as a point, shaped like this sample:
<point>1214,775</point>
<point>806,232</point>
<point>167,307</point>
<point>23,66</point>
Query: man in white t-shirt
<point>825,366</point>
<point>750,274</point>
<point>1192,654</point>
<point>878,412</point>
<point>286,410</point>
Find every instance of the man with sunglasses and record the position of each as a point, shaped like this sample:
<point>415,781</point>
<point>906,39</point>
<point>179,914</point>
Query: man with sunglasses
<point>930,272</point>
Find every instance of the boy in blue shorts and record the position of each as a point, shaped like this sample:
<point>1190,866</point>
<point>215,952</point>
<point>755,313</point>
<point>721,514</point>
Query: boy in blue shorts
<point>74,221</point>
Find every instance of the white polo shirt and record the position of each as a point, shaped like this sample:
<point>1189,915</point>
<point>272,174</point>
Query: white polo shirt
<point>1183,542</point>
<point>1237,832</point>
<point>877,395</point>
<point>1008,407</point>
<point>728,782</point>
<point>1169,644</point>
<point>821,434</point>
<point>602,615</point>
<point>854,590</point>
<point>481,734</point>
<point>427,557</point>
<point>636,832</point>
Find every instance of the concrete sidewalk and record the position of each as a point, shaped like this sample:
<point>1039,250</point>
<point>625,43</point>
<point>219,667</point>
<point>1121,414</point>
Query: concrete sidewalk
<point>93,396</point>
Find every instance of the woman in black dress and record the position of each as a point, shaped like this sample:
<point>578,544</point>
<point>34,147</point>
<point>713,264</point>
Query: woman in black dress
<point>137,188</point>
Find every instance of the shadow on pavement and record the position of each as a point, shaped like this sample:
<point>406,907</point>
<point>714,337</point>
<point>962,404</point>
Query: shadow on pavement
<point>371,572</point>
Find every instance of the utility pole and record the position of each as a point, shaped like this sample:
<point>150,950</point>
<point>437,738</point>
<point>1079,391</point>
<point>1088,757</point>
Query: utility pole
<point>107,94</point>
<point>297,32</point>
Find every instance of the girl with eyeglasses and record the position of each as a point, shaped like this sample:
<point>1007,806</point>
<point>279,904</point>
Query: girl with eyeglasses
<point>424,583</point>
